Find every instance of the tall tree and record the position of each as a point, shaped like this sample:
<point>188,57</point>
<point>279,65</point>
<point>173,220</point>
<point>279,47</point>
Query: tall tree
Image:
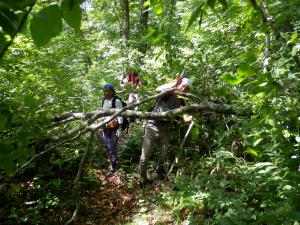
<point>125,26</point>
<point>143,25</point>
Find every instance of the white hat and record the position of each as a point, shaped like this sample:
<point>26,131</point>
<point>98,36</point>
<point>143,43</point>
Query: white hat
<point>186,82</point>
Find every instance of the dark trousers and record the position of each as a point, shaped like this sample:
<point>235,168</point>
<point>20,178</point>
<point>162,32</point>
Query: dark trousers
<point>110,141</point>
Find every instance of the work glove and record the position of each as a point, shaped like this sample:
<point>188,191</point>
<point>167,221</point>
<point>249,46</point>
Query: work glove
<point>112,124</point>
<point>178,81</point>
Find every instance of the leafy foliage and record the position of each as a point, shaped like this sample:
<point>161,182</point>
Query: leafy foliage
<point>235,169</point>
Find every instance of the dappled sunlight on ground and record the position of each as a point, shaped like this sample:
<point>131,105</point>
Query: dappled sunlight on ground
<point>111,202</point>
<point>119,200</point>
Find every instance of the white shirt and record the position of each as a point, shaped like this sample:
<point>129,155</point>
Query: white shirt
<point>107,104</point>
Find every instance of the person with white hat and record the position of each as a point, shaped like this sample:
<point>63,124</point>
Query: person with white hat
<point>157,132</point>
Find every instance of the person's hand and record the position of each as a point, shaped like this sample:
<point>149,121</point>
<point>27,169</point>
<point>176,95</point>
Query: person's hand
<point>178,81</point>
<point>112,124</point>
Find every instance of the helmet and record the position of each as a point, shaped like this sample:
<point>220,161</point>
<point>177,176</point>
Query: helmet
<point>186,82</point>
<point>108,86</point>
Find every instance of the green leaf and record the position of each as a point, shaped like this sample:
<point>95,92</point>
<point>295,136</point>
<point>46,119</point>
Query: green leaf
<point>295,49</point>
<point>244,71</point>
<point>28,100</point>
<point>45,25</point>
<point>224,4</point>
<point>158,9</point>
<point>221,91</point>
<point>252,152</point>
<point>195,14</point>
<point>9,22</point>
<point>147,3</point>
<point>211,3</point>
<point>230,79</point>
<point>71,12</point>
<point>3,121</point>
<point>15,4</point>
<point>6,157</point>
<point>257,141</point>
<point>293,38</point>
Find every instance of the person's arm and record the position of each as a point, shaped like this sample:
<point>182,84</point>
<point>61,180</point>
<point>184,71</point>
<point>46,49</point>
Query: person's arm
<point>124,81</point>
<point>170,85</point>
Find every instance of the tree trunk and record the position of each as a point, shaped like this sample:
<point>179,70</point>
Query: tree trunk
<point>143,26</point>
<point>125,28</point>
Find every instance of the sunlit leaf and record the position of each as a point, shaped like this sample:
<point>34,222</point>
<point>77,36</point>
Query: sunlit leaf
<point>257,141</point>
<point>45,25</point>
<point>245,70</point>
<point>147,3</point>
<point>252,152</point>
<point>293,38</point>
<point>230,79</point>
<point>158,9</point>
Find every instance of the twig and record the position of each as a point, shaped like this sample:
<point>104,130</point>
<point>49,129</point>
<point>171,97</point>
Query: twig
<point>181,145</point>
<point>36,156</point>
<point>76,181</point>
<point>187,134</point>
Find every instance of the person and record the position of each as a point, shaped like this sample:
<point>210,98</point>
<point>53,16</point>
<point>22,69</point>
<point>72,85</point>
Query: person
<point>157,131</point>
<point>133,79</point>
<point>112,130</point>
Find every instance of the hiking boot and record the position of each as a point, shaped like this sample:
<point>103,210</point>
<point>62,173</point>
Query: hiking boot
<point>111,171</point>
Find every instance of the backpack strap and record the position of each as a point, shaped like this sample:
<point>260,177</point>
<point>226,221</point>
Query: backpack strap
<point>113,103</point>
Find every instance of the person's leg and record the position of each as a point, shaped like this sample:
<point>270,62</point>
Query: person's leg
<point>149,142</point>
<point>112,144</point>
<point>163,143</point>
<point>105,139</point>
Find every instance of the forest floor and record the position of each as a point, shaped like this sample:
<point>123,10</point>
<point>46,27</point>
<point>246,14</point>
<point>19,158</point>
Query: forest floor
<point>119,200</point>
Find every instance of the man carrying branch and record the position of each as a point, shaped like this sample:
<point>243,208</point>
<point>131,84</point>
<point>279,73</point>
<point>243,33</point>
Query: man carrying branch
<point>157,132</point>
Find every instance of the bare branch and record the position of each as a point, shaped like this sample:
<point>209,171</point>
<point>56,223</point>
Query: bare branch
<point>76,181</point>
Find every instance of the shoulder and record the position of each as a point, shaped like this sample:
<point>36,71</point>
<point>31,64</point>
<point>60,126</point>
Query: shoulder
<point>118,102</point>
<point>117,99</point>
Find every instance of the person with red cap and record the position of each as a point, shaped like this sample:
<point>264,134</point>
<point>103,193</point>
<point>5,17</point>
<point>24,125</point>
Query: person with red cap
<point>133,79</point>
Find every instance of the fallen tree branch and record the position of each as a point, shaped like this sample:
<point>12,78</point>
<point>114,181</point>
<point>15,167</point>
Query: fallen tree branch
<point>91,125</point>
<point>88,124</point>
<point>191,109</point>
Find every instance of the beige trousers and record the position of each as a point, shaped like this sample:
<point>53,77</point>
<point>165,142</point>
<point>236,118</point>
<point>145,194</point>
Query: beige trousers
<point>155,136</point>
